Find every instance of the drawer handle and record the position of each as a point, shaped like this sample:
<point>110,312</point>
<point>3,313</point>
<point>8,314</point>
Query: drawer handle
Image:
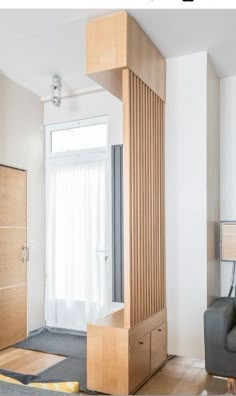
<point>159,330</point>
<point>140,342</point>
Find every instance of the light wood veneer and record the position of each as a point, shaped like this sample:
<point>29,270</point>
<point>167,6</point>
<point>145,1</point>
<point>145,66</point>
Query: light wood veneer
<point>125,348</point>
<point>143,146</point>
<point>13,315</point>
<point>13,270</point>
<point>13,267</point>
<point>228,241</point>
<point>119,359</point>
<point>115,42</point>
<point>13,209</point>
<point>27,362</point>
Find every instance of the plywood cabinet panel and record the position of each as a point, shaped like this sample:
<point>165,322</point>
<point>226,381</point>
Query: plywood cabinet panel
<point>228,241</point>
<point>115,42</point>
<point>13,266</point>
<point>142,55</point>
<point>12,197</point>
<point>12,315</point>
<point>12,269</point>
<point>106,43</point>
<point>139,361</point>
<point>107,359</point>
<point>158,346</point>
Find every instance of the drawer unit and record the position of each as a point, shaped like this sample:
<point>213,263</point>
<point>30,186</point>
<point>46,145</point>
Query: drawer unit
<point>119,360</point>
<point>139,361</point>
<point>158,346</point>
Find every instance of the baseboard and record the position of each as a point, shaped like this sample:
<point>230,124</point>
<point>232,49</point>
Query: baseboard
<point>36,331</point>
<point>57,330</point>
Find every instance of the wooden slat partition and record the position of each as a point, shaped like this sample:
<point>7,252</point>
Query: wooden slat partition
<point>124,349</point>
<point>143,146</point>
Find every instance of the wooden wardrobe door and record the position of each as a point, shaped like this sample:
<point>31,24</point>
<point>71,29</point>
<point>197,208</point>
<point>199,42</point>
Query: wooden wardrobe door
<point>13,271</point>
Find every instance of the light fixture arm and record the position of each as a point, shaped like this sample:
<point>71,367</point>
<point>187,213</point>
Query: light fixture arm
<point>56,90</point>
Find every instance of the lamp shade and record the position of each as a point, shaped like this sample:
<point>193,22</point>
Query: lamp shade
<point>228,241</point>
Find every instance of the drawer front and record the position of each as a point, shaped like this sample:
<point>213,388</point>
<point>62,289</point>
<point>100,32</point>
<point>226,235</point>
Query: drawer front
<point>139,361</point>
<point>158,346</point>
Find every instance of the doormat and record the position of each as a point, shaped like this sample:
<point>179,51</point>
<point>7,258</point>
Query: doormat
<point>56,343</point>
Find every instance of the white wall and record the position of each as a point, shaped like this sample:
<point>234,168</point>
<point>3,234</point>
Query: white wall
<point>187,206</point>
<point>21,145</point>
<point>228,163</point>
<point>213,185</point>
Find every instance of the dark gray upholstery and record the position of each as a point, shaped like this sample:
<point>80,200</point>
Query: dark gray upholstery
<point>231,340</point>
<point>219,322</point>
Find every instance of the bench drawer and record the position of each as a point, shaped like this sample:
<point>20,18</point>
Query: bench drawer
<point>139,361</point>
<point>158,346</point>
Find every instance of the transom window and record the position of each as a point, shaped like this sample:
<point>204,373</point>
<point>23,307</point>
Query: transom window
<point>80,135</point>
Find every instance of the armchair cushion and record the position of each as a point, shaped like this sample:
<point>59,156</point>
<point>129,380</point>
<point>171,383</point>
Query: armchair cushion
<point>219,319</point>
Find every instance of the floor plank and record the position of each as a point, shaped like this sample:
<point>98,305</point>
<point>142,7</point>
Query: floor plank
<point>27,362</point>
<point>181,376</point>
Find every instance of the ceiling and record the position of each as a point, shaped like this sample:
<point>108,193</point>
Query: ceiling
<point>35,44</point>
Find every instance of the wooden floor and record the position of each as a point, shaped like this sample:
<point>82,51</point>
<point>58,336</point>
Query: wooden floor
<point>179,376</point>
<point>27,362</point>
<point>183,376</point>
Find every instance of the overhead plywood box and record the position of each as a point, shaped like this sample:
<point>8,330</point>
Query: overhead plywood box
<point>116,42</point>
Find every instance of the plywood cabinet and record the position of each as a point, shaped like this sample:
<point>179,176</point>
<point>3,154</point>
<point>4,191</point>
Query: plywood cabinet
<point>120,359</point>
<point>13,268</point>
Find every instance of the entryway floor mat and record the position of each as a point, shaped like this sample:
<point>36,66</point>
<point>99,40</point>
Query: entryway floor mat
<point>70,345</point>
<point>56,343</point>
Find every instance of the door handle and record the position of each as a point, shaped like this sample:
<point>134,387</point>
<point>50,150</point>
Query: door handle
<point>25,254</point>
<point>106,252</point>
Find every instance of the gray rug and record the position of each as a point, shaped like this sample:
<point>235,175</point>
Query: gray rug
<point>56,343</point>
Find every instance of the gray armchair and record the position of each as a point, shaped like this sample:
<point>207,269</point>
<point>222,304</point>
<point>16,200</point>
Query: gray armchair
<point>220,338</point>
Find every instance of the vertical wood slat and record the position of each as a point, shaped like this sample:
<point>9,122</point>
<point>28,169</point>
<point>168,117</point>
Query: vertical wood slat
<point>126,94</point>
<point>144,257</point>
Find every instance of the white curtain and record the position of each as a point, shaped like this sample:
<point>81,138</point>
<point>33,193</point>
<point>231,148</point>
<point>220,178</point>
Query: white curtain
<point>78,280</point>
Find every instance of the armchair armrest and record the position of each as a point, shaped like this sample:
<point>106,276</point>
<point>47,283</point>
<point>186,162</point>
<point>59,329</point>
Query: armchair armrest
<point>219,318</point>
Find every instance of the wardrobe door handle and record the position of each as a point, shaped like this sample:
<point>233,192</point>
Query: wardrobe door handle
<point>25,254</point>
<point>140,342</point>
<point>160,330</point>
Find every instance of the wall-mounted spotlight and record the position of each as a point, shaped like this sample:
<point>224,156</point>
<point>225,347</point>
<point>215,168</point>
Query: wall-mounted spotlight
<point>56,90</point>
